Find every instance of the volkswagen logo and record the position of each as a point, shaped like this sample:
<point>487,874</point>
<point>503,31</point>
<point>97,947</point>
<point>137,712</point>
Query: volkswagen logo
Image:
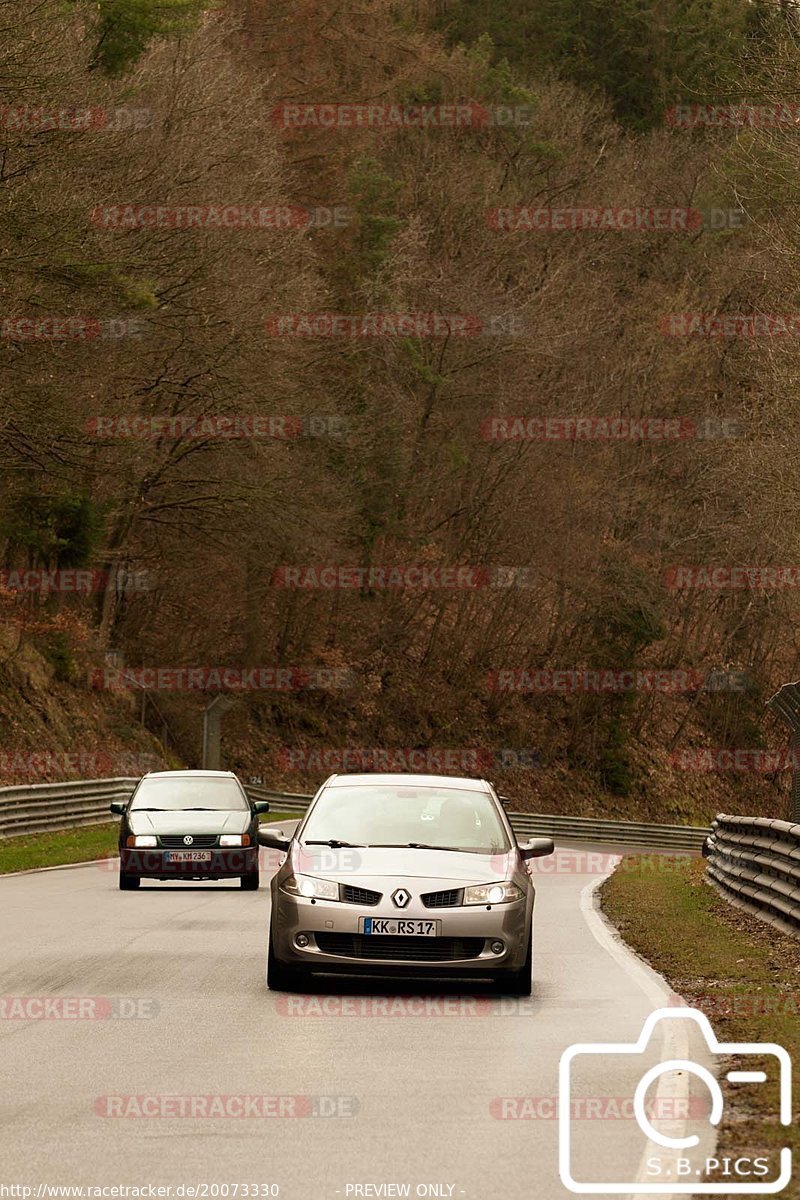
<point>188,840</point>
<point>400,898</point>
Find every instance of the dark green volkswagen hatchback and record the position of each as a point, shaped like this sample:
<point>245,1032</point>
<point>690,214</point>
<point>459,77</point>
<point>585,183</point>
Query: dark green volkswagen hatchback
<point>184,825</point>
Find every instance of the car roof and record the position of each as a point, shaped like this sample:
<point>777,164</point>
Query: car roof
<point>189,775</point>
<point>423,781</point>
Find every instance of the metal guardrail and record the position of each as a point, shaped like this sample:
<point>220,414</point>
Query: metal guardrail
<point>283,802</point>
<point>54,806</point>
<point>754,862</point>
<point>576,829</point>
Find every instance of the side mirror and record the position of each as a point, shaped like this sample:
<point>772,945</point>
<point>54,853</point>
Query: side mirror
<point>118,807</point>
<point>260,806</point>
<point>276,839</point>
<point>537,847</point>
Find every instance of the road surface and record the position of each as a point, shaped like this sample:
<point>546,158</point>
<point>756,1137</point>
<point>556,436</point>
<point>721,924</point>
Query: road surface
<point>184,1070</point>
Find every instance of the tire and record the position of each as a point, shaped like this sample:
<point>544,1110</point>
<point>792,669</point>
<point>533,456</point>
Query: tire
<point>517,983</point>
<point>249,883</point>
<point>281,978</point>
<point>128,883</point>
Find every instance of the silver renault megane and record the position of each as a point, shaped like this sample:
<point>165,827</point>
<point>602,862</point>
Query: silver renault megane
<point>403,875</point>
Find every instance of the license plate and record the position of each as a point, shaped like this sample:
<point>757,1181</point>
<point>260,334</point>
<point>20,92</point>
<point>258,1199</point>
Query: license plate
<point>190,856</point>
<point>401,926</point>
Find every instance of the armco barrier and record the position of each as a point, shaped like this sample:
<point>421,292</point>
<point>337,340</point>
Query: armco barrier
<point>754,862</point>
<point>52,806</point>
<point>43,807</point>
<point>583,829</point>
<point>46,806</point>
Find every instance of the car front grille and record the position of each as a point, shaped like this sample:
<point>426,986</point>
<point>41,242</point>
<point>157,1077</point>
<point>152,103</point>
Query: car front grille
<point>358,895</point>
<point>448,899</point>
<point>404,949</point>
<point>200,841</point>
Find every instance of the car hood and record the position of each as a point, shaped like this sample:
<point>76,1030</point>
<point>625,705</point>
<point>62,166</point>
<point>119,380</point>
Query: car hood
<point>224,821</point>
<point>363,865</point>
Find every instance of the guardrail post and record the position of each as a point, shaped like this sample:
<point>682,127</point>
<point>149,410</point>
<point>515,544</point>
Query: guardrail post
<point>212,722</point>
<point>786,703</point>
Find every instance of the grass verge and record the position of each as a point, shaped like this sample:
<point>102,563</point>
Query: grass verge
<point>743,974</point>
<point>71,845</point>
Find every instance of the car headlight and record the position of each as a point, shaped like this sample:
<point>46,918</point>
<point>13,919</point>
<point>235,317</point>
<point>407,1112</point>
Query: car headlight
<point>309,885</point>
<point>234,839</point>
<point>492,893</point>
<point>143,841</point>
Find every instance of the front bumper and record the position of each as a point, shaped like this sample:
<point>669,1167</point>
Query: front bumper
<point>335,943</point>
<point>223,864</point>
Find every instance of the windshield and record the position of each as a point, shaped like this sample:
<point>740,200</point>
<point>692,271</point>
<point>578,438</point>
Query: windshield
<point>171,795</point>
<point>392,814</point>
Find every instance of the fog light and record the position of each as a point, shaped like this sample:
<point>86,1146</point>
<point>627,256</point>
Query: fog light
<point>301,940</point>
<point>497,947</point>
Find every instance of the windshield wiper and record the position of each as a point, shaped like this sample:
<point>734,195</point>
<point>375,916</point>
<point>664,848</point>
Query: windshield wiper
<point>417,846</point>
<point>201,809</point>
<point>137,809</point>
<point>335,844</point>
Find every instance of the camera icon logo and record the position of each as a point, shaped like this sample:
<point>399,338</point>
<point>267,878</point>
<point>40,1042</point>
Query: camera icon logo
<point>667,1166</point>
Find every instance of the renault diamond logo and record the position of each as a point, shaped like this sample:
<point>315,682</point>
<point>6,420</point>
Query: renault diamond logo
<point>401,897</point>
<point>188,840</point>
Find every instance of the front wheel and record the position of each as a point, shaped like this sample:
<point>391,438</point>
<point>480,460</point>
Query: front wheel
<point>517,983</point>
<point>128,883</point>
<point>249,883</point>
<point>281,978</point>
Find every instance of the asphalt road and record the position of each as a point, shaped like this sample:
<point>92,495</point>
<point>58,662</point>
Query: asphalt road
<point>347,1092</point>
